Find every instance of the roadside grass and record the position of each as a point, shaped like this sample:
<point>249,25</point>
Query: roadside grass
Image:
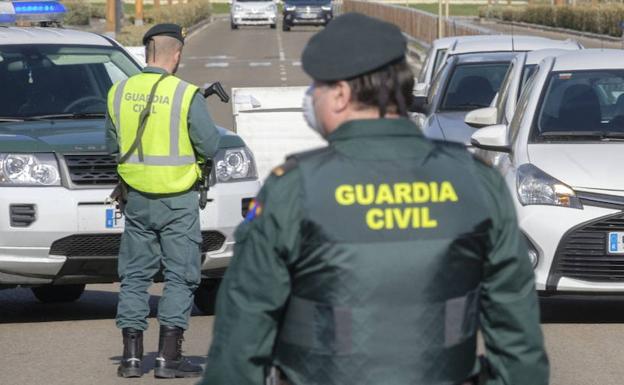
<point>220,8</point>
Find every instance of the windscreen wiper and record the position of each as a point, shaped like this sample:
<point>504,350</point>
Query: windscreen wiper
<point>10,119</point>
<point>602,135</point>
<point>73,115</point>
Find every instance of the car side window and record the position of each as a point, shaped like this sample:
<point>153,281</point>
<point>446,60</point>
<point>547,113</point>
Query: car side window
<point>523,102</point>
<point>435,87</point>
<point>426,64</point>
<point>503,93</point>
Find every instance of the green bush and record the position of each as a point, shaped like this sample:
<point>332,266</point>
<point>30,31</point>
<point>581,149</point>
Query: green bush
<point>78,12</point>
<point>98,10</point>
<point>602,19</point>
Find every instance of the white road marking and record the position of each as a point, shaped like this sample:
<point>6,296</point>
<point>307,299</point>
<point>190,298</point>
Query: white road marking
<point>296,63</point>
<point>217,64</point>
<point>182,65</point>
<point>283,79</point>
<point>280,47</point>
<point>260,64</point>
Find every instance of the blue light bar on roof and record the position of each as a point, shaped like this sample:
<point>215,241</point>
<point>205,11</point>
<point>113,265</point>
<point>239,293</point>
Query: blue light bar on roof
<point>38,7</point>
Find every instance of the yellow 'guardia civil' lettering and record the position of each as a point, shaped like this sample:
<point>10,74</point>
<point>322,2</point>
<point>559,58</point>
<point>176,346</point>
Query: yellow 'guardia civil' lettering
<point>400,218</point>
<point>398,193</point>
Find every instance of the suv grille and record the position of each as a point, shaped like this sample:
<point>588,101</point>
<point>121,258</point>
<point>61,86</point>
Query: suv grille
<point>92,170</point>
<point>582,253</point>
<point>104,245</point>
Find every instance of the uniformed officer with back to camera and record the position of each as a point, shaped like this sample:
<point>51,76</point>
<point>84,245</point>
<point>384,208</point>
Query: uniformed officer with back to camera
<point>158,165</point>
<point>375,260</point>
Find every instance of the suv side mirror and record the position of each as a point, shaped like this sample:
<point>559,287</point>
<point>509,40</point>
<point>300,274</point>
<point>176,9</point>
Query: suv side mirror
<point>482,117</point>
<point>492,138</point>
<point>420,89</point>
<point>419,104</point>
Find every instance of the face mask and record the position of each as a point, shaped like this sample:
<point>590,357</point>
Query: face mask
<point>309,114</point>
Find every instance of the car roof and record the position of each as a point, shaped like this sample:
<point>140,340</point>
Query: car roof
<point>447,42</point>
<point>39,35</point>
<point>590,59</point>
<point>535,57</point>
<point>485,57</point>
<point>507,43</point>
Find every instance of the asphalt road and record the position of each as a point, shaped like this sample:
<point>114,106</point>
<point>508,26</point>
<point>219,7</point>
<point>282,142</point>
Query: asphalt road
<point>77,343</point>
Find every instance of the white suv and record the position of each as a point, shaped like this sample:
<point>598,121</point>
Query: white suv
<point>56,232</point>
<point>559,156</point>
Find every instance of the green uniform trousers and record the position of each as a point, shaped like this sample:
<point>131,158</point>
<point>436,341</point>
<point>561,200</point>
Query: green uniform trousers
<point>159,231</point>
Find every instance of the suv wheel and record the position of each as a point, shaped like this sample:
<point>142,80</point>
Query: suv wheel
<point>233,26</point>
<point>273,26</point>
<point>206,296</point>
<point>60,293</point>
<point>285,27</point>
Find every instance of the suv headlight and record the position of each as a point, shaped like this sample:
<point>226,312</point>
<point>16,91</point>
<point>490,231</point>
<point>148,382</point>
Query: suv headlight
<point>535,187</point>
<point>29,170</point>
<point>234,165</point>
<point>326,7</point>
<point>238,8</point>
<point>272,8</point>
<point>290,8</point>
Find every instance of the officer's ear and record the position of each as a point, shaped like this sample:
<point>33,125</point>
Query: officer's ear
<point>341,95</point>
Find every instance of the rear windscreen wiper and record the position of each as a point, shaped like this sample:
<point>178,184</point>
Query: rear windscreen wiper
<point>10,119</point>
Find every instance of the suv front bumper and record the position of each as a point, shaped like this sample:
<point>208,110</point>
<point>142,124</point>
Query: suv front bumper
<point>68,240</point>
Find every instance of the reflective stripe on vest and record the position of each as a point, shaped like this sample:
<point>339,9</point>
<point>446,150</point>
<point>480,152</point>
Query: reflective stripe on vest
<point>169,163</point>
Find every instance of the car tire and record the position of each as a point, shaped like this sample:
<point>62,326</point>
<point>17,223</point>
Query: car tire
<point>58,293</point>
<point>233,26</point>
<point>273,26</point>
<point>285,28</point>
<point>206,296</point>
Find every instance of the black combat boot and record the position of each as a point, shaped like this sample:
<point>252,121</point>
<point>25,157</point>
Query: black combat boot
<point>131,363</point>
<point>170,363</point>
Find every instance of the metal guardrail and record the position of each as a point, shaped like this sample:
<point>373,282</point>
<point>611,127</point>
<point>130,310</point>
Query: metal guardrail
<point>420,25</point>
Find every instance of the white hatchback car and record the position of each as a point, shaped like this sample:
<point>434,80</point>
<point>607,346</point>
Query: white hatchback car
<point>559,153</point>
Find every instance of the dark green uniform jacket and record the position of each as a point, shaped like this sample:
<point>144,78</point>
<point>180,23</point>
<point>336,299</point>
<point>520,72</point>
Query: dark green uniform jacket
<point>375,261</point>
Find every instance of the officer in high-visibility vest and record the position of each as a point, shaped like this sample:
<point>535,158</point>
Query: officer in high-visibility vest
<point>375,260</point>
<point>158,154</point>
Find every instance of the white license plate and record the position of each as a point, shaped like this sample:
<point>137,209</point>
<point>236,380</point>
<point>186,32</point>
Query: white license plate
<point>308,16</point>
<point>615,243</point>
<point>114,218</point>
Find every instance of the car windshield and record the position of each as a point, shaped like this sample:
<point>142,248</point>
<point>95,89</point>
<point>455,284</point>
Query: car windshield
<point>473,86</point>
<point>254,1</point>
<point>307,1</point>
<point>583,104</point>
<point>59,80</point>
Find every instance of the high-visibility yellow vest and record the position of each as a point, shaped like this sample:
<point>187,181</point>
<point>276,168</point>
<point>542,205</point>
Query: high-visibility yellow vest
<point>168,165</point>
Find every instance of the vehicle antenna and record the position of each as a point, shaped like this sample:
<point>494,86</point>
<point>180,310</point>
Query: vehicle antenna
<point>513,43</point>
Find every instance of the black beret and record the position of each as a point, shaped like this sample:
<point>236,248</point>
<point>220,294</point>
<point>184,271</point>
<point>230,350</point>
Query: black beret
<point>172,30</point>
<point>352,45</point>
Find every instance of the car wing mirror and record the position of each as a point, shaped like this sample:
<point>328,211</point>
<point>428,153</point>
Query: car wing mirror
<point>491,138</point>
<point>419,104</point>
<point>482,117</point>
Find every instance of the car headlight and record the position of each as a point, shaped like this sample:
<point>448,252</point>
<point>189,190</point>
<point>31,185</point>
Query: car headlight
<point>235,164</point>
<point>535,187</point>
<point>272,8</point>
<point>290,8</point>
<point>326,7</point>
<point>29,170</point>
<point>238,8</point>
